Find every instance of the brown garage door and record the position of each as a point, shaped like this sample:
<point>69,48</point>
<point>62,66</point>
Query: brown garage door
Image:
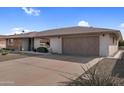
<point>84,45</point>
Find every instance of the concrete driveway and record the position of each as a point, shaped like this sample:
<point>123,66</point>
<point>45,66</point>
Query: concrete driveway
<point>44,70</point>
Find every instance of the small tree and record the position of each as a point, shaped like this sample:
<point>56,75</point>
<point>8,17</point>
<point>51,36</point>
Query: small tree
<point>23,31</point>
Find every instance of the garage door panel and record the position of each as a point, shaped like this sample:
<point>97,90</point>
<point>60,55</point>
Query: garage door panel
<point>85,46</point>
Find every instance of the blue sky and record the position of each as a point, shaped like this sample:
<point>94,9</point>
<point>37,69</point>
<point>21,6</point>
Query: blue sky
<point>14,20</point>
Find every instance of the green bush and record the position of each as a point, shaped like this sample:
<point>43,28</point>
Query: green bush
<point>121,43</point>
<point>7,49</point>
<point>4,52</point>
<point>42,49</point>
<point>0,50</point>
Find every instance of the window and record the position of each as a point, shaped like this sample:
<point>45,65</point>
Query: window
<point>40,40</point>
<point>10,41</point>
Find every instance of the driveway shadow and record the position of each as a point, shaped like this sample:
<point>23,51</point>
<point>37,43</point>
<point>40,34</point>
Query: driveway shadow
<point>76,59</point>
<point>118,69</point>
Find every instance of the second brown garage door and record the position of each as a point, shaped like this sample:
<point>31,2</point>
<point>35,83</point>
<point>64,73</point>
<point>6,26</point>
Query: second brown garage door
<point>84,45</point>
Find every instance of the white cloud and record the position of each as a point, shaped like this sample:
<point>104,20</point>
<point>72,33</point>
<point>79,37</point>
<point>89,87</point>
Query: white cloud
<point>18,30</point>
<point>121,25</point>
<point>83,23</point>
<point>121,28</point>
<point>31,11</point>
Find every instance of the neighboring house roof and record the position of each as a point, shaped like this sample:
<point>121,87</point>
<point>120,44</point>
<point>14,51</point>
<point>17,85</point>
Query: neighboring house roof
<point>23,35</point>
<point>2,36</point>
<point>77,30</point>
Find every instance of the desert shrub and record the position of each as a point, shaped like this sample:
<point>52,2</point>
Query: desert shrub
<point>4,52</point>
<point>8,49</point>
<point>94,78</point>
<point>42,49</point>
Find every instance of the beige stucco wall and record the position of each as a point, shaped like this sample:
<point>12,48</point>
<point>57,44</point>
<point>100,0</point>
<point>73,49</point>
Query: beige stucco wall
<point>106,46</point>
<point>113,47</point>
<point>103,45</point>
<point>2,43</point>
<point>37,42</point>
<point>56,45</point>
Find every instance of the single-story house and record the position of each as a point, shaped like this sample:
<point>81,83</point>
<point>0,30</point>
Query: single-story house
<point>82,41</point>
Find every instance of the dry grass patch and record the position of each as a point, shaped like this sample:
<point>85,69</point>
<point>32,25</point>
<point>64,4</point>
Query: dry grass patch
<point>11,57</point>
<point>108,72</point>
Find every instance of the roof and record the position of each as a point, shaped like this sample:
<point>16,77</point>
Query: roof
<point>66,31</point>
<point>77,30</point>
<point>3,36</point>
<point>24,35</point>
